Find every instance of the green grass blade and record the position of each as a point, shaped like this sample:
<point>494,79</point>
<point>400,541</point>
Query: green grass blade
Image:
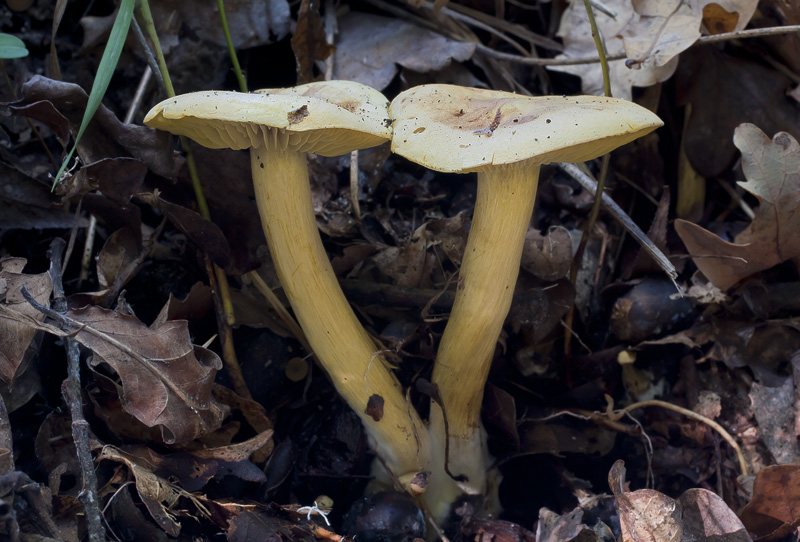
<point>116,40</point>
<point>11,47</point>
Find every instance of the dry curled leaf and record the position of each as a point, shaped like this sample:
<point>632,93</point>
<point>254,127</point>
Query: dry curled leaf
<point>373,57</point>
<point>774,510</point>
<point>202,232</point>
<point>15,336</point>
<point>105,137</point>
<point>772,169</point>
<point>166,381</point>
<point>651,33</point>
<point>157,494</point>
<point>650,516</point>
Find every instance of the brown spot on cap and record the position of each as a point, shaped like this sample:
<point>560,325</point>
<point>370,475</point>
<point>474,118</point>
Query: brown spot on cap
<point>297,116</point>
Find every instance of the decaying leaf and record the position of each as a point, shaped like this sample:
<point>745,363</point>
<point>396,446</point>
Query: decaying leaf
<point>28,203</point>
<point>166,381</point>
<point>578,42</point>
<point>776,421</point>
<point>196,304</point>
<point>258,525</point>
<point>105,137</point>
<point>255,23</point>
<point>720,89</point>
<point>649,516</point>
<point>772,169</point>
<point>118,262</point>
<point>774,510</point>
<point>651,33</point>
<point>548,256</point>
<point>116,178</point>
<point>707,518</point>
<point>16,337</point>
<point>204,233</point>
<point>309,42</point>
<point>372,57</point>
<point>157,494</point>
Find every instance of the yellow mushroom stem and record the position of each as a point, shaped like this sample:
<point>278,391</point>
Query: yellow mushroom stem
<point>345,350</point>
<point>489,270</point>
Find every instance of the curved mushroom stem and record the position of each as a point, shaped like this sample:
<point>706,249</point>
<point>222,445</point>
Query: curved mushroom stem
<point>489,270</point>
<point>345,350</point>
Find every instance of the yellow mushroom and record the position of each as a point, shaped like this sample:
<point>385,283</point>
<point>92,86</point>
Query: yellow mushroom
<point>505,138</point>
<point>279,127</point>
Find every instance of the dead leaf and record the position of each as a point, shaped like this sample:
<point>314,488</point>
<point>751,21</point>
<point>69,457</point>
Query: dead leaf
<point>496,530</point>
<point>228,185</point>
<point>650,516</point>
<point>706,518</point>
<point>772,169</point>
<point>27,203</point>
<point>253,413</point>
<point>205,234</point>
<point>651,33</point>
<point>106,136</point>
<point>719,20</point>
<point>116,178</point>
<point>255,23</point>
<point>309,43</point>
<point>166,381</point>
<point>564,528</point>
<point>194,306</point>
<point>258,526</point>
<point>774,510</point>
<point>644,515</point>
<point>578,42</point>
<point>15,336</point>
<point>118,262</point>
<point>157,494</point>
<point>372,57</point>
<point>548,256</point>
<point>724,92</point>
<point>776,422</point>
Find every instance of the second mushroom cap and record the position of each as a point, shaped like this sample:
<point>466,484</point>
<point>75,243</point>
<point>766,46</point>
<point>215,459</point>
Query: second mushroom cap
<point>459,130</point>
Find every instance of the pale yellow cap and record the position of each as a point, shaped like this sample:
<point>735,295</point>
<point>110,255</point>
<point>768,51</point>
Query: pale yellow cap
<point>458,130</point>
<point>328,118</point>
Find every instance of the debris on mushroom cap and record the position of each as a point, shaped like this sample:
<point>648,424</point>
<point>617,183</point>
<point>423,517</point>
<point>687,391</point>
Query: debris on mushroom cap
<point>457,129</point>
<point>327,118</point>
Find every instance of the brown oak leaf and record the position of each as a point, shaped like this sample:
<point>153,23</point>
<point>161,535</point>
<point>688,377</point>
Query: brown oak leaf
<point>772,169</point>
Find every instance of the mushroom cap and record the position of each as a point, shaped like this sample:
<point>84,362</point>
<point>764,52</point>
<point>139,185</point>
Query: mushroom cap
<point>328,118</point>
<point>458,130</point>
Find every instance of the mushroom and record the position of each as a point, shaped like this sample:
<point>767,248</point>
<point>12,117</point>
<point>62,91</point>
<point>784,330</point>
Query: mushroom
<point>504,138</point>
<point>279,127</point>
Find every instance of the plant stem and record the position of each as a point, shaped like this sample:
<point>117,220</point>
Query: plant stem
<point>227,316</point>
<point>234,59</point>
<point>601,182</point>
<point>601,49</point>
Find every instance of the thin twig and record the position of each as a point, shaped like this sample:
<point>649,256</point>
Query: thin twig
<point>601,183</point>
<point>616,211</point>
<point>71,391</point>
<point>566,61</point>
<point>690,414</point>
